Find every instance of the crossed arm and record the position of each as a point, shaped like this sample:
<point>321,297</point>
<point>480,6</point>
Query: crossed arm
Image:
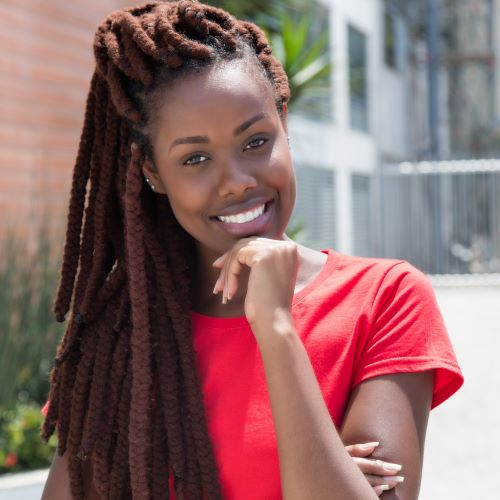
<point>314,462</point>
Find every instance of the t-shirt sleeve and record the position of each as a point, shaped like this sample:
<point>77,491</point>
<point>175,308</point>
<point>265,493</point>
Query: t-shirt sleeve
<point>408,334</point>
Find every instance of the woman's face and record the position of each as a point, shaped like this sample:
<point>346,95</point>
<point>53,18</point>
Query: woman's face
<point>222,158</point>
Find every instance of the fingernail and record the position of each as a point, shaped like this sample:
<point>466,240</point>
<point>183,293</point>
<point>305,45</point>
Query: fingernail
<point>396,479</point>
<point>392,467</point>
<point>367,446</point>
<point>215,289</point>
<point>224,300</point>
<point>381,488</point>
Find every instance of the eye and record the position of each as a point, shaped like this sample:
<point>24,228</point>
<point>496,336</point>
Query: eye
<point>195,159</point>
<point>256,143</point>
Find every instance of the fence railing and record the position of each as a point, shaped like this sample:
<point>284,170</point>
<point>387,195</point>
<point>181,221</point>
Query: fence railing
<point>443,217</point>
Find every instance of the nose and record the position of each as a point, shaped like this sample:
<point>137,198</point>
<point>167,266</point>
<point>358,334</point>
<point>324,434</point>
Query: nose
<point>235,177</point>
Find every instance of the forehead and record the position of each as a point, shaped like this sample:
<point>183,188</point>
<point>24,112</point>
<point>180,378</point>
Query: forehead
<point>223,91</point>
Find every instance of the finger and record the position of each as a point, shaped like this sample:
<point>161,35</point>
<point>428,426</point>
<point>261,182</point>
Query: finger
<point>219,284</point>
<point>225,273</point>
<point>391,481</point>
<point>380,489</point>
<point>361,450</point>
<point>219,262</point>
<point>377,467</point>
<point>376,480</point>
<point>233,271</point>
<point>231,284</point>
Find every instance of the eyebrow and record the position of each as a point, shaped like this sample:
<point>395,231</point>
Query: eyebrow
<point>203,139</point>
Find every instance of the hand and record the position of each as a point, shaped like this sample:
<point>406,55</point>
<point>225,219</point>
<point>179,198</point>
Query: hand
<point>273,268</point>
<point>378,476</point>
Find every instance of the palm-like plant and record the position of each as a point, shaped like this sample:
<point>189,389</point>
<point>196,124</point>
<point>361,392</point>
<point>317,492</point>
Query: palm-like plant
<point>306,61</point>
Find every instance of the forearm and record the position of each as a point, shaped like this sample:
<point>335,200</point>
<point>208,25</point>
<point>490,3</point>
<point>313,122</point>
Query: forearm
<point>313,460</point>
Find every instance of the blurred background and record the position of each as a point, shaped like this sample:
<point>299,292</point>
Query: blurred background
<point>395,133</point>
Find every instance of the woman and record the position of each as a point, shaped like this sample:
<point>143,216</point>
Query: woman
<point>205,349</point>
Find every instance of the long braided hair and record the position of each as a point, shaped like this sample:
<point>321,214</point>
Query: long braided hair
<point>124,386</point>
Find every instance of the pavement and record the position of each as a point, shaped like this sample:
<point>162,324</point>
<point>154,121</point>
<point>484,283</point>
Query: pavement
<point>463,436</point>
<point>23,485</point>
<point>463,433</point>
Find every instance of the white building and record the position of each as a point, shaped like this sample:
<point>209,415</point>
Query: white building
<point>336,159</point>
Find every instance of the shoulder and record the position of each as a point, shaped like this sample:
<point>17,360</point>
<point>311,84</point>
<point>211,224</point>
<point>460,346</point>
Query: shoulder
<point>355,278</point>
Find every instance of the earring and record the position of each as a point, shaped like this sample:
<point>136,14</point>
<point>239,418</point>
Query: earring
<point>288,139</point>
<point>152,186</point>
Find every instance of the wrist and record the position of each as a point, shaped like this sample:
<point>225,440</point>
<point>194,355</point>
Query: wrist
<point>277,324</point>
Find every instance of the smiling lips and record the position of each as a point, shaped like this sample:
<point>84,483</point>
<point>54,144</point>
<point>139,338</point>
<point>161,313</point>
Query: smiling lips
<point>249,223</point>
<point>243,217</point>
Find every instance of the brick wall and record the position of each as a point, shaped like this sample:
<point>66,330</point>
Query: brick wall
<point>46,63</point>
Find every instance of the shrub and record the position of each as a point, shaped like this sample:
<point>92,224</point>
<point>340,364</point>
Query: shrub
<point>21,447</point>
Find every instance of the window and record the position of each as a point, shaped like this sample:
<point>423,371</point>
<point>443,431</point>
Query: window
<point>389,39</point>
<point>315,209</point>
<point>358,81</point>
<point>362,215</point>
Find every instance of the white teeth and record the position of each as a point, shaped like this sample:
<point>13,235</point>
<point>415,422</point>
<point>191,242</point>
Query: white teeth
<point>244,217</point>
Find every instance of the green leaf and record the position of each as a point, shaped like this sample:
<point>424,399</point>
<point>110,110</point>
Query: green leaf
<point>318,68</point>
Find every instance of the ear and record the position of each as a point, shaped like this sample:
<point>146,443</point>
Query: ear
<point>284,116</point>
<point>149,172</point>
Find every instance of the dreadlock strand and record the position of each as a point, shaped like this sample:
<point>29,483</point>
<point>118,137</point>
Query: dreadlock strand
<point>99,387</point>
<point>181,43</point>
<point>78,402</point>
<point>166,357</point>
<point>119,478</point>
<point>142,35</point>
<point>49,424</point>
<point>76,205</point>
<point>139,67</point>
<point>140,339</point>
<point>160,452</point>
<point>121,100</point>
<point>107,443</point>
<point>67,376</point>
<point>102,201</point>
<point>86,254</point>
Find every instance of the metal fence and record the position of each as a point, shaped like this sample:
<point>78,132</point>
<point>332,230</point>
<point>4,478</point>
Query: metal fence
<point>443,217</point>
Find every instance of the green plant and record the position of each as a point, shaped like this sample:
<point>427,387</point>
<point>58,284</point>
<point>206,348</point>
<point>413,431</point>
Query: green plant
<point>306,61</point>
<point>20,445</point>
<point>261,12</point>
<point>295,230</point>
<point>29,332</point>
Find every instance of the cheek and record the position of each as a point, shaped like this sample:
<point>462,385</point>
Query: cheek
<point>188,204</point>
<point>282,175</point>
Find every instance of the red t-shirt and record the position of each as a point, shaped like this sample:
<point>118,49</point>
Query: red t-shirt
<point>359,318</point>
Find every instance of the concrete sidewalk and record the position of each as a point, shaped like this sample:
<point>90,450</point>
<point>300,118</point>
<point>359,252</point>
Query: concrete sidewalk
<point>23,485</point>
<point>463,434</point>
